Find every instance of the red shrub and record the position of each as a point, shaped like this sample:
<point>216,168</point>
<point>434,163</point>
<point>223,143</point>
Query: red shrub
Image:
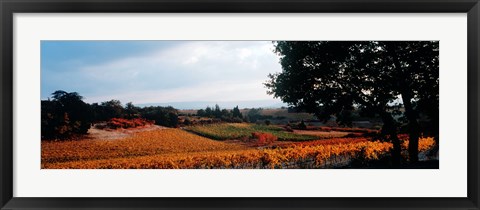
<point>116,123</point>
<point>264,138</point>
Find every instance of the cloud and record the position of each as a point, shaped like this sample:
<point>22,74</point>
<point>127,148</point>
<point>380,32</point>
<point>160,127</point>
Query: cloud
<point>179,71</point>
<point>218,91</point>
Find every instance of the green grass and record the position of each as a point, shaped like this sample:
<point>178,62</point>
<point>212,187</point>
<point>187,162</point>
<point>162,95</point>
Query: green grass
<point>243,130</point>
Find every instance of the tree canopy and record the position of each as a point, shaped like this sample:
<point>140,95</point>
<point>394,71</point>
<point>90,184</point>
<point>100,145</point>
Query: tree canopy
<point>377,77</point>
<point>67,115</point>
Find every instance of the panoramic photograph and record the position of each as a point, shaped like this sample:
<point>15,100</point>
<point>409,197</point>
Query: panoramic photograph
<point>239,104</point>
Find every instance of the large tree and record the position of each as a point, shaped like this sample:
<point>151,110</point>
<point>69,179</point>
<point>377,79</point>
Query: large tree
<point>333,78</point>
<point>415,70</point>
<point>65,115</point>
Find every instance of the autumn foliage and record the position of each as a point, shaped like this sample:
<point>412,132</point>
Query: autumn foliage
<point>115,123</point>
<point>176,148</point>
<point>263,138</point>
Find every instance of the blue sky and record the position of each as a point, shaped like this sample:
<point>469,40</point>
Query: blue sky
<point>158,71</point>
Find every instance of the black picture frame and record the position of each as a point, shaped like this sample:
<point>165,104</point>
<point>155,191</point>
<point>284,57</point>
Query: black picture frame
<point>10,7</point>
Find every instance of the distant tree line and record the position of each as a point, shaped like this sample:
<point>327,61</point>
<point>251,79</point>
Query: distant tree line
<point>251,115</point>
<point>233,115</point>
<point>66,114</point>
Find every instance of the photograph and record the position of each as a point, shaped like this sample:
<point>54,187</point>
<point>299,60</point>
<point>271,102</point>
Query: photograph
<point>249,105</point>
<point>236,104</point>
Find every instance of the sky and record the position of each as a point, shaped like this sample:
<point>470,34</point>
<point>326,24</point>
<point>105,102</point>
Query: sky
<point>145,72</point>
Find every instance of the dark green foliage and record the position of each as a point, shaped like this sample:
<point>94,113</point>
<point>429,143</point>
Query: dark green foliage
<point>131,111</point>
<point>108,110</point>
<point>165,116</point>
<point>208,112</point>
<point>201,113</point>
<point>112,109</point>
<point>334,78</point>
<point>225,115</point>
<point>217,112</point>
<point>236,112</point>
<point>254,114</point>
<point>65,116</point>
<point>237,120</point>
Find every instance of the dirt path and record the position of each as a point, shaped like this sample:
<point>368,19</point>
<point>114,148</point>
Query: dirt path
<point>108,134</point>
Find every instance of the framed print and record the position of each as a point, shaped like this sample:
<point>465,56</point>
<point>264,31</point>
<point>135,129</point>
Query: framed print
<point>239,105</point>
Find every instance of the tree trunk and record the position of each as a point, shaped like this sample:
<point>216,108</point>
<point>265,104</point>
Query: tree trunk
<point>389,129</point>
<point>413,127</point>
<point>435,130</point>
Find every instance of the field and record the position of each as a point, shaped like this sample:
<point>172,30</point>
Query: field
<point>226,131</point>
<point>274,115</point>
<point>176,148</point>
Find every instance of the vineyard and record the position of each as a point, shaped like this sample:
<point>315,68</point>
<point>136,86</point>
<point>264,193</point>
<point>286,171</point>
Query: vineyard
<point>158,142</point>
<point>243,130</point>
<point>175,148</point>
